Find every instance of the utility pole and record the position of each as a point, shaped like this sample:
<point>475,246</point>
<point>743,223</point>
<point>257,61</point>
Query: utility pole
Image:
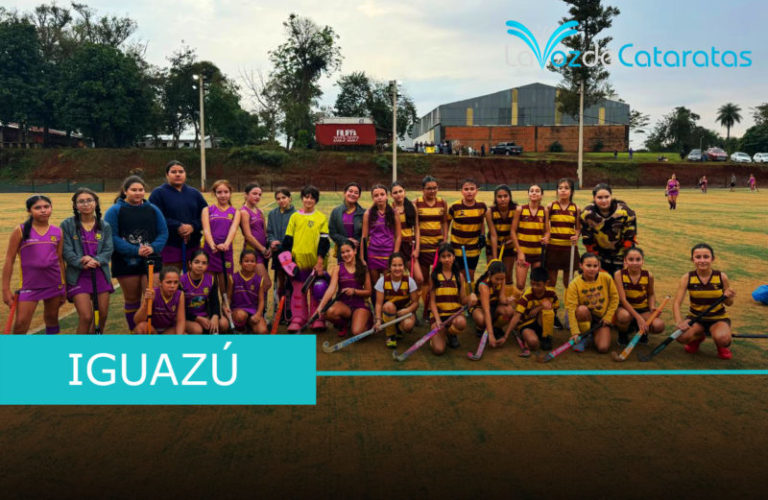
<point>581,135</point>
<point>393,83</point>
<point>200,86</point>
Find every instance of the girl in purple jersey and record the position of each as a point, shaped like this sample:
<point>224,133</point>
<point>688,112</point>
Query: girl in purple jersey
<point>254,225</point>
<point>352,280</point>
<point>168,311</point>
<point>39,247</point>
<point>201,298</point>
<point>381,232</point>
<point>671,191</point>
<point>220,223</point>
<point>87,251</point>
<point>248,295</point>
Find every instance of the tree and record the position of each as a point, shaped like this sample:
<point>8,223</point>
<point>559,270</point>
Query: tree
<point>638,121</point>
<point>265,93</point>
<point>593,18</point>
<point>355,97</point>
<point>755,139</point>
<point>309,53</point>
<point>676,131</point>
<point>760,114</point>
<point>727,115</point>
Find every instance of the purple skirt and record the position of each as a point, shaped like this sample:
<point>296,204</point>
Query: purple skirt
<point>214,260</point>
<point>173,254</point>
<point>250,310</point>
<point>377,262</point>
<point>85,285</point>
<point>41,293</point>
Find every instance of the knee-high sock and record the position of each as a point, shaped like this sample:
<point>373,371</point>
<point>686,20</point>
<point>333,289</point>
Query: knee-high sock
<point>52,330</point>
<point>584,326</point>
<point>547,322</point>
<point>298,304</point>
<point>391,330</point>
<point>130,309</point>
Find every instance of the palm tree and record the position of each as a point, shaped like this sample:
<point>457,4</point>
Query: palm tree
<point>727,116</point>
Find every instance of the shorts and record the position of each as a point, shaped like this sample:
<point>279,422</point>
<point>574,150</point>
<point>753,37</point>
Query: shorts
<point>406,248</point>
<point>214,260</point>
<point>85,285</point>
<point>633,323</point>
<point>532,259</point>
<point>559,258</point>
<point>535,326</point>
<point>135,265</point>
<point>250,310</point>
<point>173,254</point>
<point>35,294</point>
<point>471,262</point>
<point>733,184</point>
<point>354,303</point>
<point>427,258</point>
<point>707,324</point>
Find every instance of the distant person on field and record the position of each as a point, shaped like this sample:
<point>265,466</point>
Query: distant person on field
<point>631,152</point>
<point>482,150</point>
<point>752,183</point>
<point>733,181</point>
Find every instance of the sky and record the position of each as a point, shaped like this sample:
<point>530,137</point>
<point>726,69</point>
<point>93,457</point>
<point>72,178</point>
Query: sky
<point>444,51</point>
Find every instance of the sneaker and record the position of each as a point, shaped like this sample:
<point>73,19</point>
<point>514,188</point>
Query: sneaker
<point>294,327</point>
<point>693,347</point>
<point>724,353</point>
<point>583,344</point>
<point>557,323</point>
<point>318,325</point>
<point>344,330</point>
<point>546,343</point>
<point>453,341</point>
<point>623,338</point>
<point>391,342</point>
<point>644,338</point>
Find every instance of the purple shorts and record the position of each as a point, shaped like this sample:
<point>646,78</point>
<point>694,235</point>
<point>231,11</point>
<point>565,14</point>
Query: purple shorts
<point>214,260</point>
<point>41,293</point>
<point>250,310</point>
<point>84,284</point>
<point>173,254</point>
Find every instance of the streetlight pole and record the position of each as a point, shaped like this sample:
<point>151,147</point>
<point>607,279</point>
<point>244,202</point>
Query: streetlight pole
<point>203,176</point>
<point>581,135</point>
<point>393,83</point>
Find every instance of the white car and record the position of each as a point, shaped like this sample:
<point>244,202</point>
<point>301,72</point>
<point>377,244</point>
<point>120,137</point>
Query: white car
<point>760,158</point>
<point>740,157</point>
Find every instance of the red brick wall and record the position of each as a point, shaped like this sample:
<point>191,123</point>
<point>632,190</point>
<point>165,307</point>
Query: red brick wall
<point>538,139</point>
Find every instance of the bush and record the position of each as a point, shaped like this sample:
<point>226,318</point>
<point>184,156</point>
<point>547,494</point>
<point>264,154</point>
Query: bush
<point>264,155</point>
<point>597,146</point>
<point>556,147</point>
<point>383,163</point>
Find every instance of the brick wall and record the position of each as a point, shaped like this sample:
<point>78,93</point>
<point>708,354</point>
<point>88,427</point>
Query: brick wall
<point>538,139</point>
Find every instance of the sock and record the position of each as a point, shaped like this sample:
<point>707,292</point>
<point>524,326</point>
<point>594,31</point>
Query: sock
<point>453,330</point>
<point>547,323</point>
<point>52,330</point>
<point>130,309</point>
<point>584,326</point>
<point>391,329</point>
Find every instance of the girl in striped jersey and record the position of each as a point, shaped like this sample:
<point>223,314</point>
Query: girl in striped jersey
<point>530,230</point>
<point>39,247</point>
<point>168,311</point>
<point>409,229</point>
<point>467,220</point>
<point>381,232</point>
<point>447,295</point>
<point>248,292</point>
<point>500,217</point>
<point>396,295</point>
<point>433,229</point>
<point>220,223</point>
<point>493,307</point>
<point>637,298</point>
<point>350,277</point>
<point>565,229</point>
<point>201,298</point>
<point>704,285</point>
<point>535,313</point>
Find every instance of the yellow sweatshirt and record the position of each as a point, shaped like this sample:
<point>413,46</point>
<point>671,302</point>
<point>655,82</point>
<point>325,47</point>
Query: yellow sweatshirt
<point>600,296</point>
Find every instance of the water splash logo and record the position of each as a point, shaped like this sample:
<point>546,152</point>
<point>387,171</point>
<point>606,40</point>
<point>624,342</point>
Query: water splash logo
<point>522,32</point>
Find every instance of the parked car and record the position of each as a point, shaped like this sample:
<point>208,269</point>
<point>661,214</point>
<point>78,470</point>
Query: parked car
<point>506,148</point>
<point>695,155</point>
<point>740,157</point>
<point>716,154</point>
<point>760,158</point>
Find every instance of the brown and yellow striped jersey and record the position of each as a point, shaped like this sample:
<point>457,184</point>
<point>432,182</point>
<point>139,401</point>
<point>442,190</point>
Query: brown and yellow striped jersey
<point>702,295</point>
<point>467,224</point>
<point>528,302</point>
<point>447,295</point>
<point>430,223</point>
<point>636,292</point>
<point>530,230</point>
<point>562,223</point>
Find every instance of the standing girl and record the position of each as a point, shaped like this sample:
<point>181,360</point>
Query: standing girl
<point>565,227</point>
<point>220,223</point>
<point>703,184</point>
<point>433,229</point>
<point>672,190</point>
<point>248,290</point>
<point>500,218</point>
<point>87,250</point>
<point>530,231</point>
<point>254,226</point>
<point>167,301</point>
<point>752,183</point>
<point>467,220</point>
<point>396,295</point>
<point>409,230</point>
<point>276,226</point>
<point>637,298</point>
<point>352,280</point>
<point>381,232</point>
<point>704,286</point>
<point>446,297</point>
<point>591,298</point>
<point>201,295</point>
<point>39,247</point>
<point>139,233</point>
<point>494,307</point>
<point>346,222</point>
<point>608,228</point>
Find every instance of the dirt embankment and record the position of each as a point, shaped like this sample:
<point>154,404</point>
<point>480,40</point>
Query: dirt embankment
<point>331,170</point>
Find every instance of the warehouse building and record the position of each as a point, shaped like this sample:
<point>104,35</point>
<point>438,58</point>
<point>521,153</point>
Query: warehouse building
<point>527,115</point>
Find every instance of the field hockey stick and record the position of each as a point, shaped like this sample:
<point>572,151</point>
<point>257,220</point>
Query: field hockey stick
<point>276,319</point>
<point>224,292</point>
<point>679,332</point>
<point>423,340</point>
<point>570,266</point>
<point>317,314</point>
<point>183,256</point>
<point>524,351</point>
<point>344,343</point>
<point>749,336</point>
<point>571,342</point>
<point>480,348</point>
<point>632,343</point>
<point>95,303</point>
<point>308,282</point>
<point>12,313</point>
<point>434,262</point>
<point>150,276</point>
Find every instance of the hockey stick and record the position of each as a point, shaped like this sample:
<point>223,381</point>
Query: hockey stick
<point>224,292</point>
<point>308,282</point>
<point>749,336</point>
<point>423,340</point>
<point>480,348</point>
<point>317,314</point>
<point>276,319</point>
<point>632,343</point>
<point>183,256</point>
<point>344,343</point>
<point>679,332</point>
<point>14,305</point>
<point>150,276</point>
<point>571,342</point>
<point>94,291</point>
<point>524,351</point>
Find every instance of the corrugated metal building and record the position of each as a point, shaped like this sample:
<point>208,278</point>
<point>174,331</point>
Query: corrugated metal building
<point>527,105</point>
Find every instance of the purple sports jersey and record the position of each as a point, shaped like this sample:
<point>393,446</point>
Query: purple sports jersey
<point>196,295</point>
<point>40,270</point>
<point>245,293</point>
<point>381,242</point>
<point>164,312</point>
<point>221,222</point>
<point>90,241</point>
<point>349,224</point>
<point>256,223</point>
<point>347,280</point>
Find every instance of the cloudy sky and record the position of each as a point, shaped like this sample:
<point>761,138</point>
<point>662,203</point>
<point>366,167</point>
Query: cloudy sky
<point>449,50</point>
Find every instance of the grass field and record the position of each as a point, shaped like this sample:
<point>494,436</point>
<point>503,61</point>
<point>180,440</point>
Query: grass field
<point>486,436</point>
